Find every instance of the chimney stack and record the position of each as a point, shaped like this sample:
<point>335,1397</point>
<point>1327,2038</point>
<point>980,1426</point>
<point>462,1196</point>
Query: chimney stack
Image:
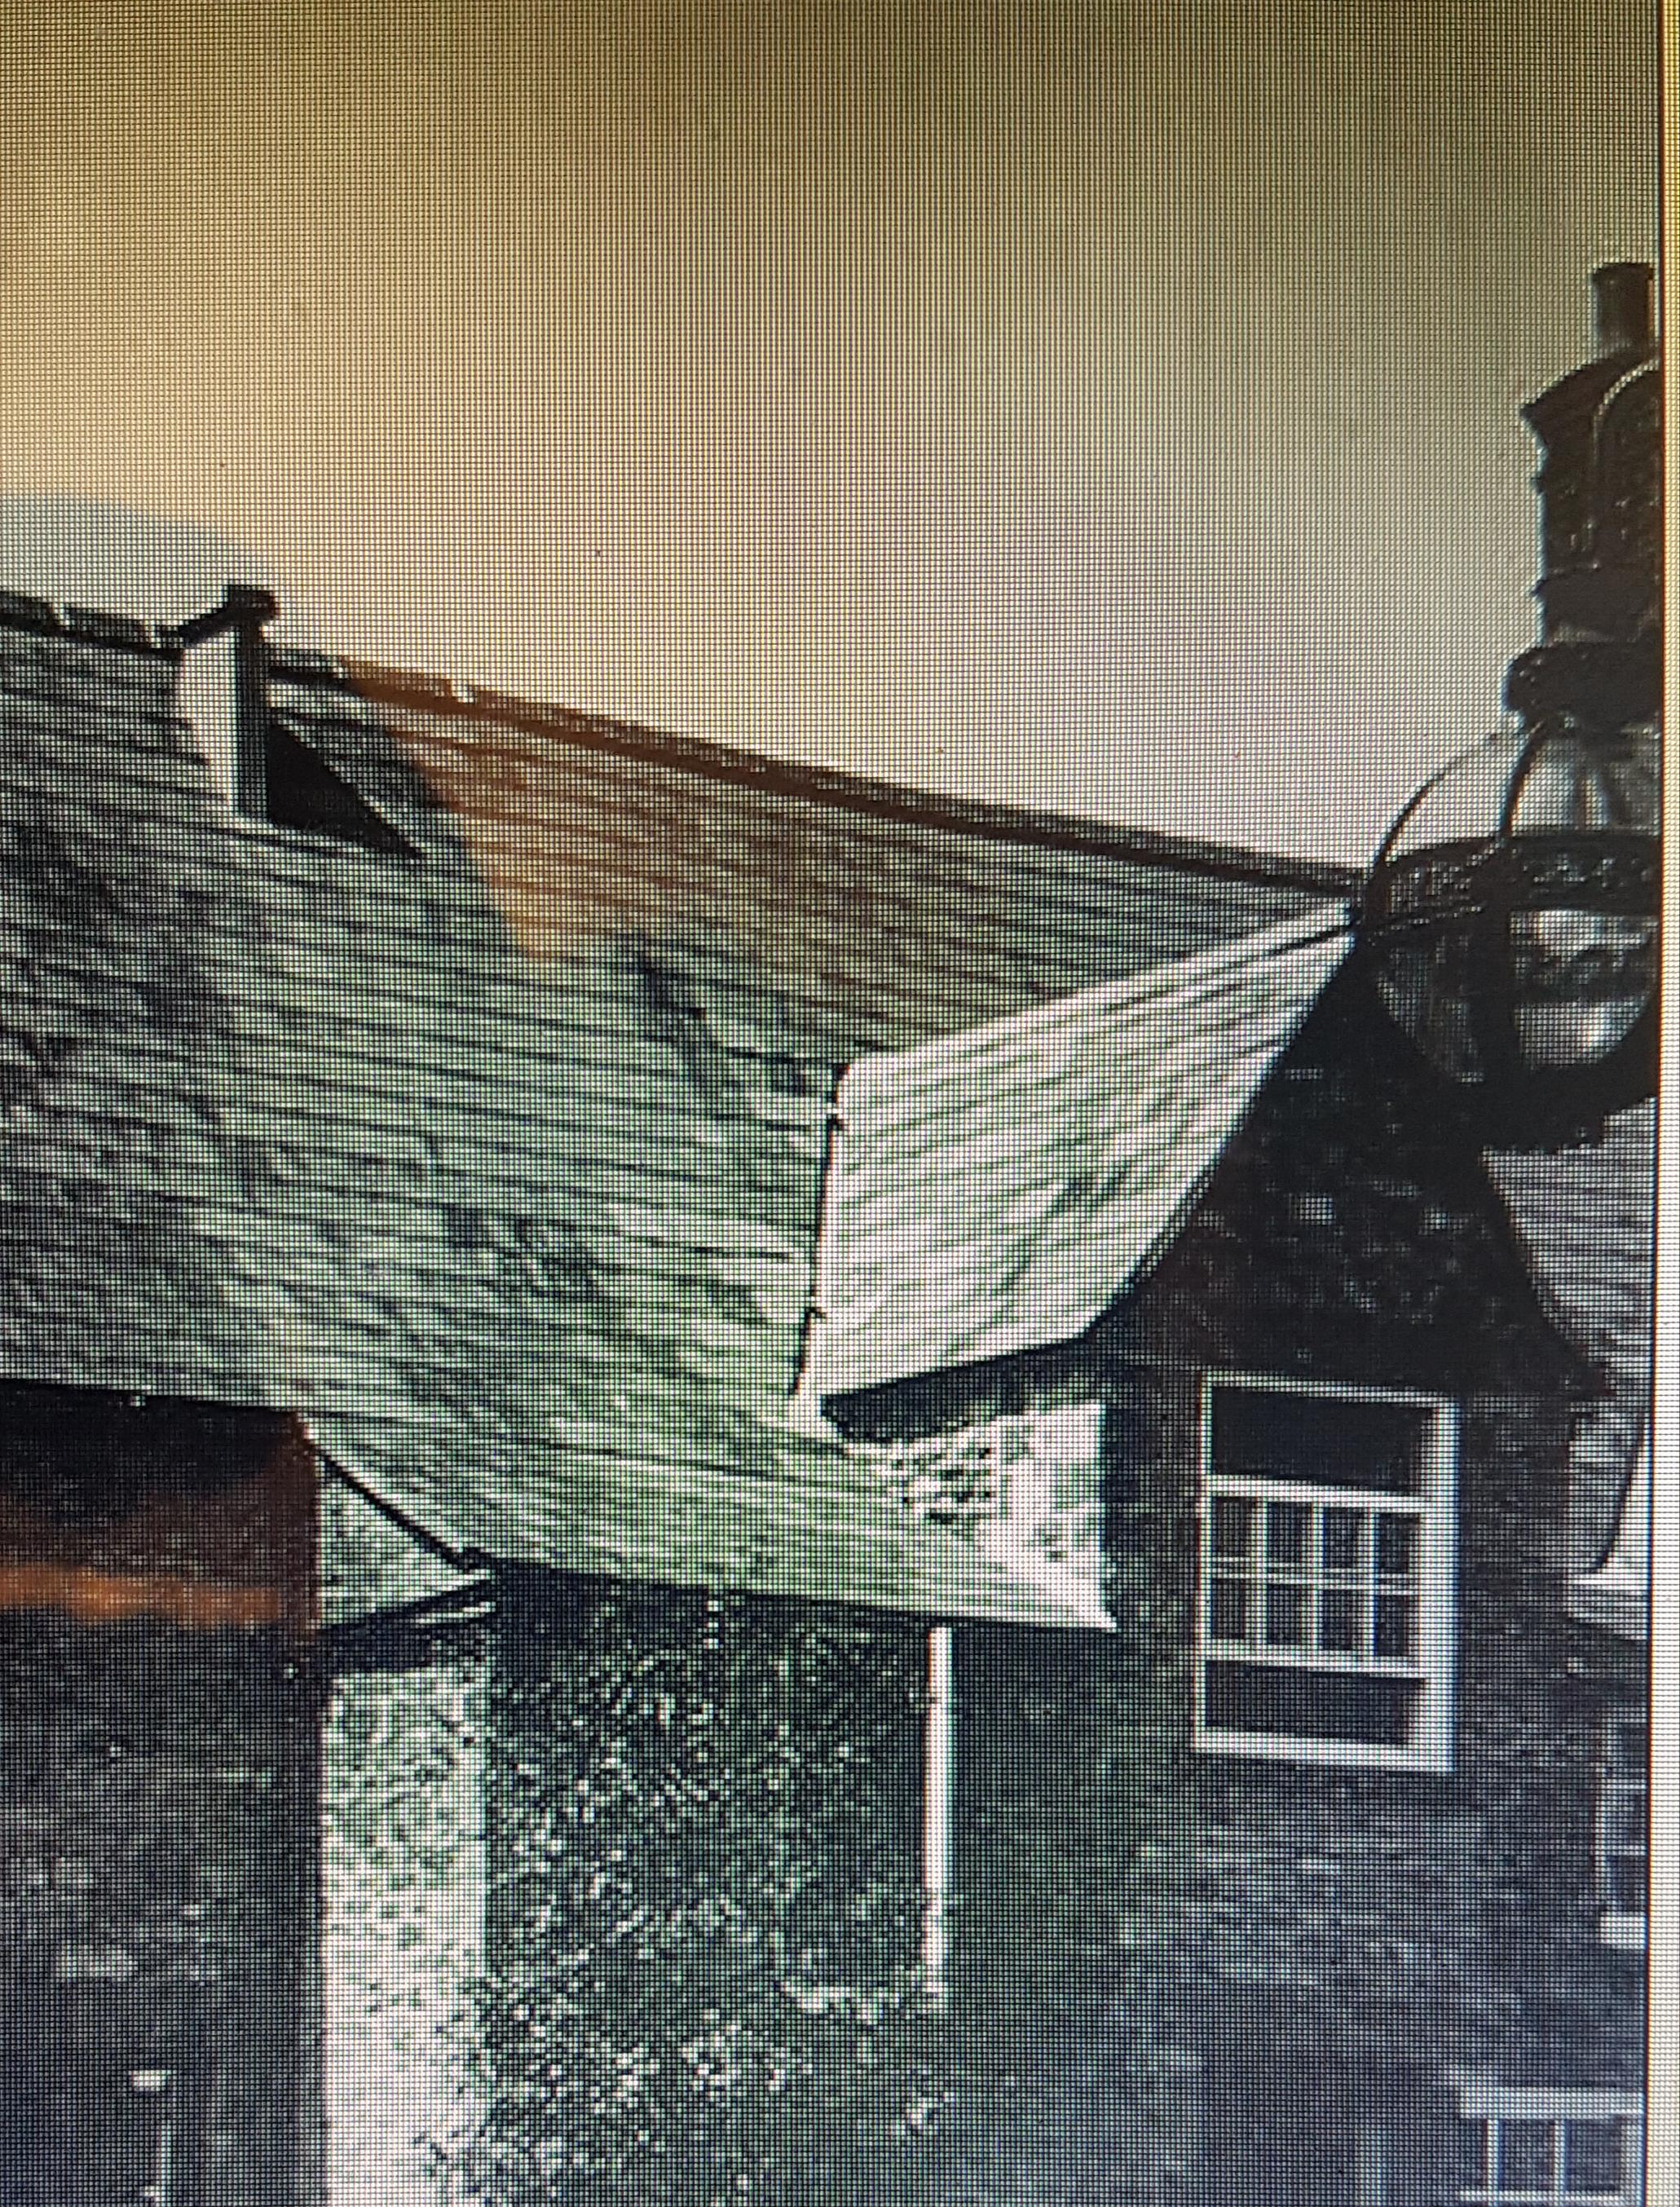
<point>225,695</point>
<point>1622,307</point>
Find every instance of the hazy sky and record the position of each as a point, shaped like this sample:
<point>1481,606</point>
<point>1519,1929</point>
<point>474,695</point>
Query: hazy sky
<point>1113,410</point>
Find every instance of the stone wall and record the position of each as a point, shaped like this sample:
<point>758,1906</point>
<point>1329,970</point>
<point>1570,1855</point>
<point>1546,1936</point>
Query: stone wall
<point>403,1958</point>
<point>157,1842</point>
<point>702,1859</point>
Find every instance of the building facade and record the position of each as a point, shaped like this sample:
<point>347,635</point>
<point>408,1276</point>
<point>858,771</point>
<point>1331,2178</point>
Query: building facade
<point>721,1486</point>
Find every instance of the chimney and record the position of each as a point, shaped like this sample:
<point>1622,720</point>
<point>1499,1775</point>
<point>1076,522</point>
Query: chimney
<point>222,685</point>
<point>1622,307</point>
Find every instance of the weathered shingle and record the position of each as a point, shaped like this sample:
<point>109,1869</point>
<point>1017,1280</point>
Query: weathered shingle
<point>997,1192</point>
<point>503,1164</point>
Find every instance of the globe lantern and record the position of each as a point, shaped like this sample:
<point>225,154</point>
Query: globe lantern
<point>1511,917</point>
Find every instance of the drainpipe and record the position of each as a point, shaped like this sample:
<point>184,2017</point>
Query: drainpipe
<point>937,1818</point>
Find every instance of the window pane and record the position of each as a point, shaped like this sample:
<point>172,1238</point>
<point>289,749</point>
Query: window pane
<point>1286,1534</point>
<point>1232,1525</point>
<point>1396,1628</point>
<point>1474,2147</point>
<point>1592,2157</point>
<point>1339,1628</point>
<point>1344,1546</point>
<point>1286,1616</point>
<point>1297,1703</point>
<point>1397,1547</point>
<point>1229,1614</point>
<point>1525,2157</point>
<point>1335,1440</point>
<point>1624,1883</point>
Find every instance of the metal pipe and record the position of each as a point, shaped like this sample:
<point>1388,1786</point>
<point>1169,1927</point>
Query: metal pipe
<point>937,1818</point>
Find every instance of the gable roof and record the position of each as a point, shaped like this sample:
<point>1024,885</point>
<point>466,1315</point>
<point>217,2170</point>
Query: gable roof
<point>1587,1220</point>
<point>1616,1594</point>
<point>996,1191</point>
<point>501,1161</point>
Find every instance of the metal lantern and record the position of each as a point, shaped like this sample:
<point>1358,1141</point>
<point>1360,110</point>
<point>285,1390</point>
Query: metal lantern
<point>1511,917</point>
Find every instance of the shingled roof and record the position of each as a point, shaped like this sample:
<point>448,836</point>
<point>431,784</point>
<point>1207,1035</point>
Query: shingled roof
<point>997,1191</point>
<point>1586,1217</point>
<point>497,1153</point>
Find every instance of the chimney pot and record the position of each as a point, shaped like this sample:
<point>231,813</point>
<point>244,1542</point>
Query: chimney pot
<point>250,602</point>
<point>1623,306</point>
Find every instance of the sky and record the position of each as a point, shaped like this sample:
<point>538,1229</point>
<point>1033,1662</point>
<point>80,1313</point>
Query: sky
<point>1113,410</point>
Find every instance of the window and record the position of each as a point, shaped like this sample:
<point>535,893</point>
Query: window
<point>1325,1627</point>
<point>1544,2148</point>
<point>1623,1826</point>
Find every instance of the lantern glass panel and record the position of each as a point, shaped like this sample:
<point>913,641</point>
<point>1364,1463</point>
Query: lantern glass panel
<point>1428,982</point>
<point>1466,805</point>
<point>1580,982</point>
<point>1572,786</point>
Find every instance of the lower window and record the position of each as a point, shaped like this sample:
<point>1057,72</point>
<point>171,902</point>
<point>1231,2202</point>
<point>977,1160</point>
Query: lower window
<point>1325,1625</point>
<point>1623,1826</point>
<point>1546,2148</point>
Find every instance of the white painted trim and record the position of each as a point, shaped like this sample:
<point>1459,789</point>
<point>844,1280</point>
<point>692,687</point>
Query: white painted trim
<point>936,1819</point>
<point>1344,1754</point>
<point>1340,1390</point>
<point>1481,2099</point>
<point>1400,1502</point>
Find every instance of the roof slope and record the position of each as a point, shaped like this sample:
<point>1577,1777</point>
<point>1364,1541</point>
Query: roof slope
<point>1587,1217</point>
<point>996,1192</point>
<point>502,1161</point>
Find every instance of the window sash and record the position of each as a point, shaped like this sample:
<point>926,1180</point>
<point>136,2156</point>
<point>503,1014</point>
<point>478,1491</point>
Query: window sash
<point>1259,1609</point>
<point>1623,1832</point>
<point>1374,1596</point>
<point>1499,2187</point>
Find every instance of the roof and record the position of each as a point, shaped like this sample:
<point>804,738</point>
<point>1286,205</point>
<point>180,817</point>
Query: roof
<point>501,1160</point>
<point>1616,1594</point>
<point>1587,1219</point>
<point>997,1191</point>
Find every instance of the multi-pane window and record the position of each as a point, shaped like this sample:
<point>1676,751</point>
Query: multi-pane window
<point>1326,1598</point>
<point>1552,2149</point>
<point>1624,1830</point>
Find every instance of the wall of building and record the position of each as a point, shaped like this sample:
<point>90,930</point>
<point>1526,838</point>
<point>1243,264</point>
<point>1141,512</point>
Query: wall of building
<point>403,1960</point>
<point>703,1871</point>
<point>704,1927</point>
<point>158,1738</point>
<point>158,1851</point>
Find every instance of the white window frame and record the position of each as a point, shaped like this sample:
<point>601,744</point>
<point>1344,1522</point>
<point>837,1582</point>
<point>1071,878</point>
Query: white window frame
<point>1621,1778</point>
<point>1492,2106</point>
<point>1433,1510</point>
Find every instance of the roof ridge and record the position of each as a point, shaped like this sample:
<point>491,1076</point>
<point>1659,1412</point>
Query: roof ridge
<point>989,819</point>
<point>986,819</point>
<point>1151,985</point>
